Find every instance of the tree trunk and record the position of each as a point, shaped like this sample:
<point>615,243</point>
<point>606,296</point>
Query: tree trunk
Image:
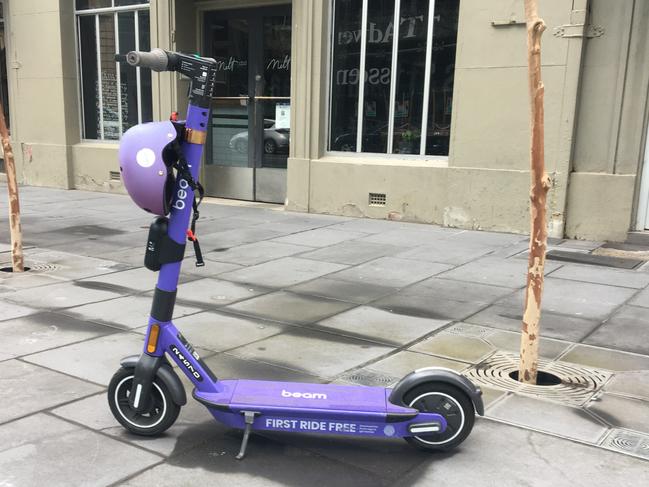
<point>540,184</point>
<point>14,205</point>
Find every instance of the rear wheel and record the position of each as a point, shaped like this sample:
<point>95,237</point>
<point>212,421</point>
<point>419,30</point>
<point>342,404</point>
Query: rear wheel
<point>162,412</point>
<point>451,403</point>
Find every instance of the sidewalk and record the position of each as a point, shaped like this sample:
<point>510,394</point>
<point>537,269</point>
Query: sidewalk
<point>314,298</point>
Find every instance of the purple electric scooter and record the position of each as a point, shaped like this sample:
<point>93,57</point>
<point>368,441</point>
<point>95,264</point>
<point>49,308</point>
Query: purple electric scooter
<point>432,408</point>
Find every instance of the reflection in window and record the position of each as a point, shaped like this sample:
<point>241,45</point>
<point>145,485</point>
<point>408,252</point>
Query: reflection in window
<point>406,106</point>
<point>114,97</point>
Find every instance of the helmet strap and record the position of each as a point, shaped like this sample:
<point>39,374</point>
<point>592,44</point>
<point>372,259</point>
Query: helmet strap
<point>184,172</point>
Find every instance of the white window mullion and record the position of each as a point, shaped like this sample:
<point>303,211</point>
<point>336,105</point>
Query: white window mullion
<point>119,76</point>
<point>83,106</point>
<point>429,53</point>
<point>361,79</point>
<point>393,73</point>
<point>99,81</point>
<point>137,70</point>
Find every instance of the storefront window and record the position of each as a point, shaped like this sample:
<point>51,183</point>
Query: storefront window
<point>4,91</point>
<point>114,96</point>
<point>398,70</point>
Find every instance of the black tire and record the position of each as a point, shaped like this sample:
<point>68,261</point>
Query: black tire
<point>163,412</point>
<point>270,147</point>
<point>450,402</point>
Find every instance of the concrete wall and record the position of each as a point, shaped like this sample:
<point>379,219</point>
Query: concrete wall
<point>611,123</point>
<point>483,183</point>
<point>596,109</point>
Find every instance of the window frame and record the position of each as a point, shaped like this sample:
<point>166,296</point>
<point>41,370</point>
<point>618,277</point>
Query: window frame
<point>96,12</point>
<point>389,154</point>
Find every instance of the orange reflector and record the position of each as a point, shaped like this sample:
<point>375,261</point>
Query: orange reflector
<point>154,333</point>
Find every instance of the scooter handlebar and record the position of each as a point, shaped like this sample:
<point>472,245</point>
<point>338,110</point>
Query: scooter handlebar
<point>156,59</point>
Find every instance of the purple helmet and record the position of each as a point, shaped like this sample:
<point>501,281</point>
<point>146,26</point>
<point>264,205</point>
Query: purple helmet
<point>145,159</point>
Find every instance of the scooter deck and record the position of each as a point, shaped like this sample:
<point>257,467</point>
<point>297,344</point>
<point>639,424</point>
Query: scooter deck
<point>314,408</point>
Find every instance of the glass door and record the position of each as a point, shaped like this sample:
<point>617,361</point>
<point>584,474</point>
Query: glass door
<point>249,136</point>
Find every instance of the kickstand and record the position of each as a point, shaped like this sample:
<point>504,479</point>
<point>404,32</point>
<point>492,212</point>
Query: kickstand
<point>249,417</point>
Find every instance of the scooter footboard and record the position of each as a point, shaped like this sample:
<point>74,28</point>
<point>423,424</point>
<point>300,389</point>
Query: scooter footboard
<point>323,422</point>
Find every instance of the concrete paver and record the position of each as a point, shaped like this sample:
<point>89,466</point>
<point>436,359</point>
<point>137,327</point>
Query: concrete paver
<point>307,298</point>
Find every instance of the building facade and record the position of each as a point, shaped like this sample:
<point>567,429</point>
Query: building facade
<point>406,109</point>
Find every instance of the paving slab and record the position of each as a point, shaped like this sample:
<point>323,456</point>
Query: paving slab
<point>456,347</point>
<point>74,266</point>
<point>44,450</point>
<point>43,331</point>
<point>402,363</point>
<point>320,237</point>
<point>410,235</point>
<point>193,426</point>
<point>429,306</point>
<point>256,253</point>
<point>353,292</point>
<point>440,288</point>
<point>218,331</point>
<point>493,239</point>
<point>27,280</point>
<point>602,275</point>
<point>140,279</point>
<point>127,312</point>
<point>58,296</point>
<point>507,456</point>
<point>210,269</point>
<point>642,298</point>
<point>553,325</point>
<point>94,360</point>
<point>282,272</point>
<point>232,238</point>
<point>210,292</point>
<point>228,366</point>
<point>380,326</point>
<point>495,271</point>
<point>27,388</point>
<point>269,462</point>
<point>604,358</point>
<point>579,299</point>
<point>548,417</point>
<point>352,252</point>
<point>621,412</point>
<point>634,384</point>
<point>9,311</point>
<point>623,329</point>
<point>511,342</point>
<point>390,271</point>
<point>290,308</point>
<point>447,251</point>
<point>321,354</point>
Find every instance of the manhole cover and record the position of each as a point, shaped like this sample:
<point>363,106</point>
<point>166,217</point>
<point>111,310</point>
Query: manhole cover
<point>369,378</point>
<point>578,384</point>
<point>628,442</point>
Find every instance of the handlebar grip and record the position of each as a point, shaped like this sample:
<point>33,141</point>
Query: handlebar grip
<point>156,59</point>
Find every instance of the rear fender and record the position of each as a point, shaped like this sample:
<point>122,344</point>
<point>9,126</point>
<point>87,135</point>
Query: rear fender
<point>437,374</point>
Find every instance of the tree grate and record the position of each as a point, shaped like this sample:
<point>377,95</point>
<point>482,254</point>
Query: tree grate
<point>578,384</point>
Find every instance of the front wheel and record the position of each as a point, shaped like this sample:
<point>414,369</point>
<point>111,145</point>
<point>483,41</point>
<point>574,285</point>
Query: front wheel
<point>162,412</point>
<point>449,402</point>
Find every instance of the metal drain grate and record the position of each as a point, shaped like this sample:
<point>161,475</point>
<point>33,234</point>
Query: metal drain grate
<point>472,331</point>
<point>578,384</point>
<point>368,378</point>
<point>377,199</point>
<point>628,442</point>
<point>43,267</point>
